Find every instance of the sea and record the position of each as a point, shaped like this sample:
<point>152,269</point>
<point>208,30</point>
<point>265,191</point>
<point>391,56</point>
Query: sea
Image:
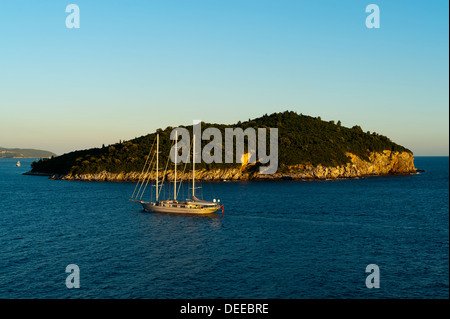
<point>329,239</point>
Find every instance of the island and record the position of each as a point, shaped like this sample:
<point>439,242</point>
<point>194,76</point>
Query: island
<point>24,153</point>
<point>308,149</point>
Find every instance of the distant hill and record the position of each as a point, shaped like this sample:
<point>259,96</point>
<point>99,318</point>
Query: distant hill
<point>302,140</point>
<point>24,153</point>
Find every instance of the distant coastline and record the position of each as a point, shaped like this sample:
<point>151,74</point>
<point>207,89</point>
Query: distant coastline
<point>21,157</point>
<point>24,153</point>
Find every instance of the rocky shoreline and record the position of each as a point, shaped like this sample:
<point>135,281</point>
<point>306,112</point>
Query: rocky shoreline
<point>379,164</point>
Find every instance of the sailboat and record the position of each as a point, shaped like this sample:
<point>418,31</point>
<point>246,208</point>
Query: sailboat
<point>18,164</point>
<point>172,205</point>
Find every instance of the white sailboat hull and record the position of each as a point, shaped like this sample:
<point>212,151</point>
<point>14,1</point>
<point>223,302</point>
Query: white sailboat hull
<point>178,208</point>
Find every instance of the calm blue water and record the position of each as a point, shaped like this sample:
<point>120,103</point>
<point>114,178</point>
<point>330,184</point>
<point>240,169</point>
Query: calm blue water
<point>275,239</point>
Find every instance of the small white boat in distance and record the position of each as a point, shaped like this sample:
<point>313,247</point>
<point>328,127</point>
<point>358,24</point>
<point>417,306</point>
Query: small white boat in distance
<point>18,164</point>
<point>189,206</point>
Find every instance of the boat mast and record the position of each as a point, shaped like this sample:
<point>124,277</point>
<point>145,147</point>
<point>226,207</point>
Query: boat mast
<point>175,164</point>
<point>193,167</point>
<point>157,164</point>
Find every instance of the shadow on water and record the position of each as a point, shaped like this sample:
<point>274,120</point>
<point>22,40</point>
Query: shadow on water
<point>185,215</point>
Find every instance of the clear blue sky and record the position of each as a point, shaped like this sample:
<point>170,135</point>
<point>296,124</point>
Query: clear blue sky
<point>135,66</point>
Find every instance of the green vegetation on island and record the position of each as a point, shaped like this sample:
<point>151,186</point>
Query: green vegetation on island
<point>302,140</point>
<point>24,153</point>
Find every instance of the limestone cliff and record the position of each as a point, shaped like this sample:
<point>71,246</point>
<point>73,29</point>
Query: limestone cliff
<point>384,163</point>
<point>378,163</point>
